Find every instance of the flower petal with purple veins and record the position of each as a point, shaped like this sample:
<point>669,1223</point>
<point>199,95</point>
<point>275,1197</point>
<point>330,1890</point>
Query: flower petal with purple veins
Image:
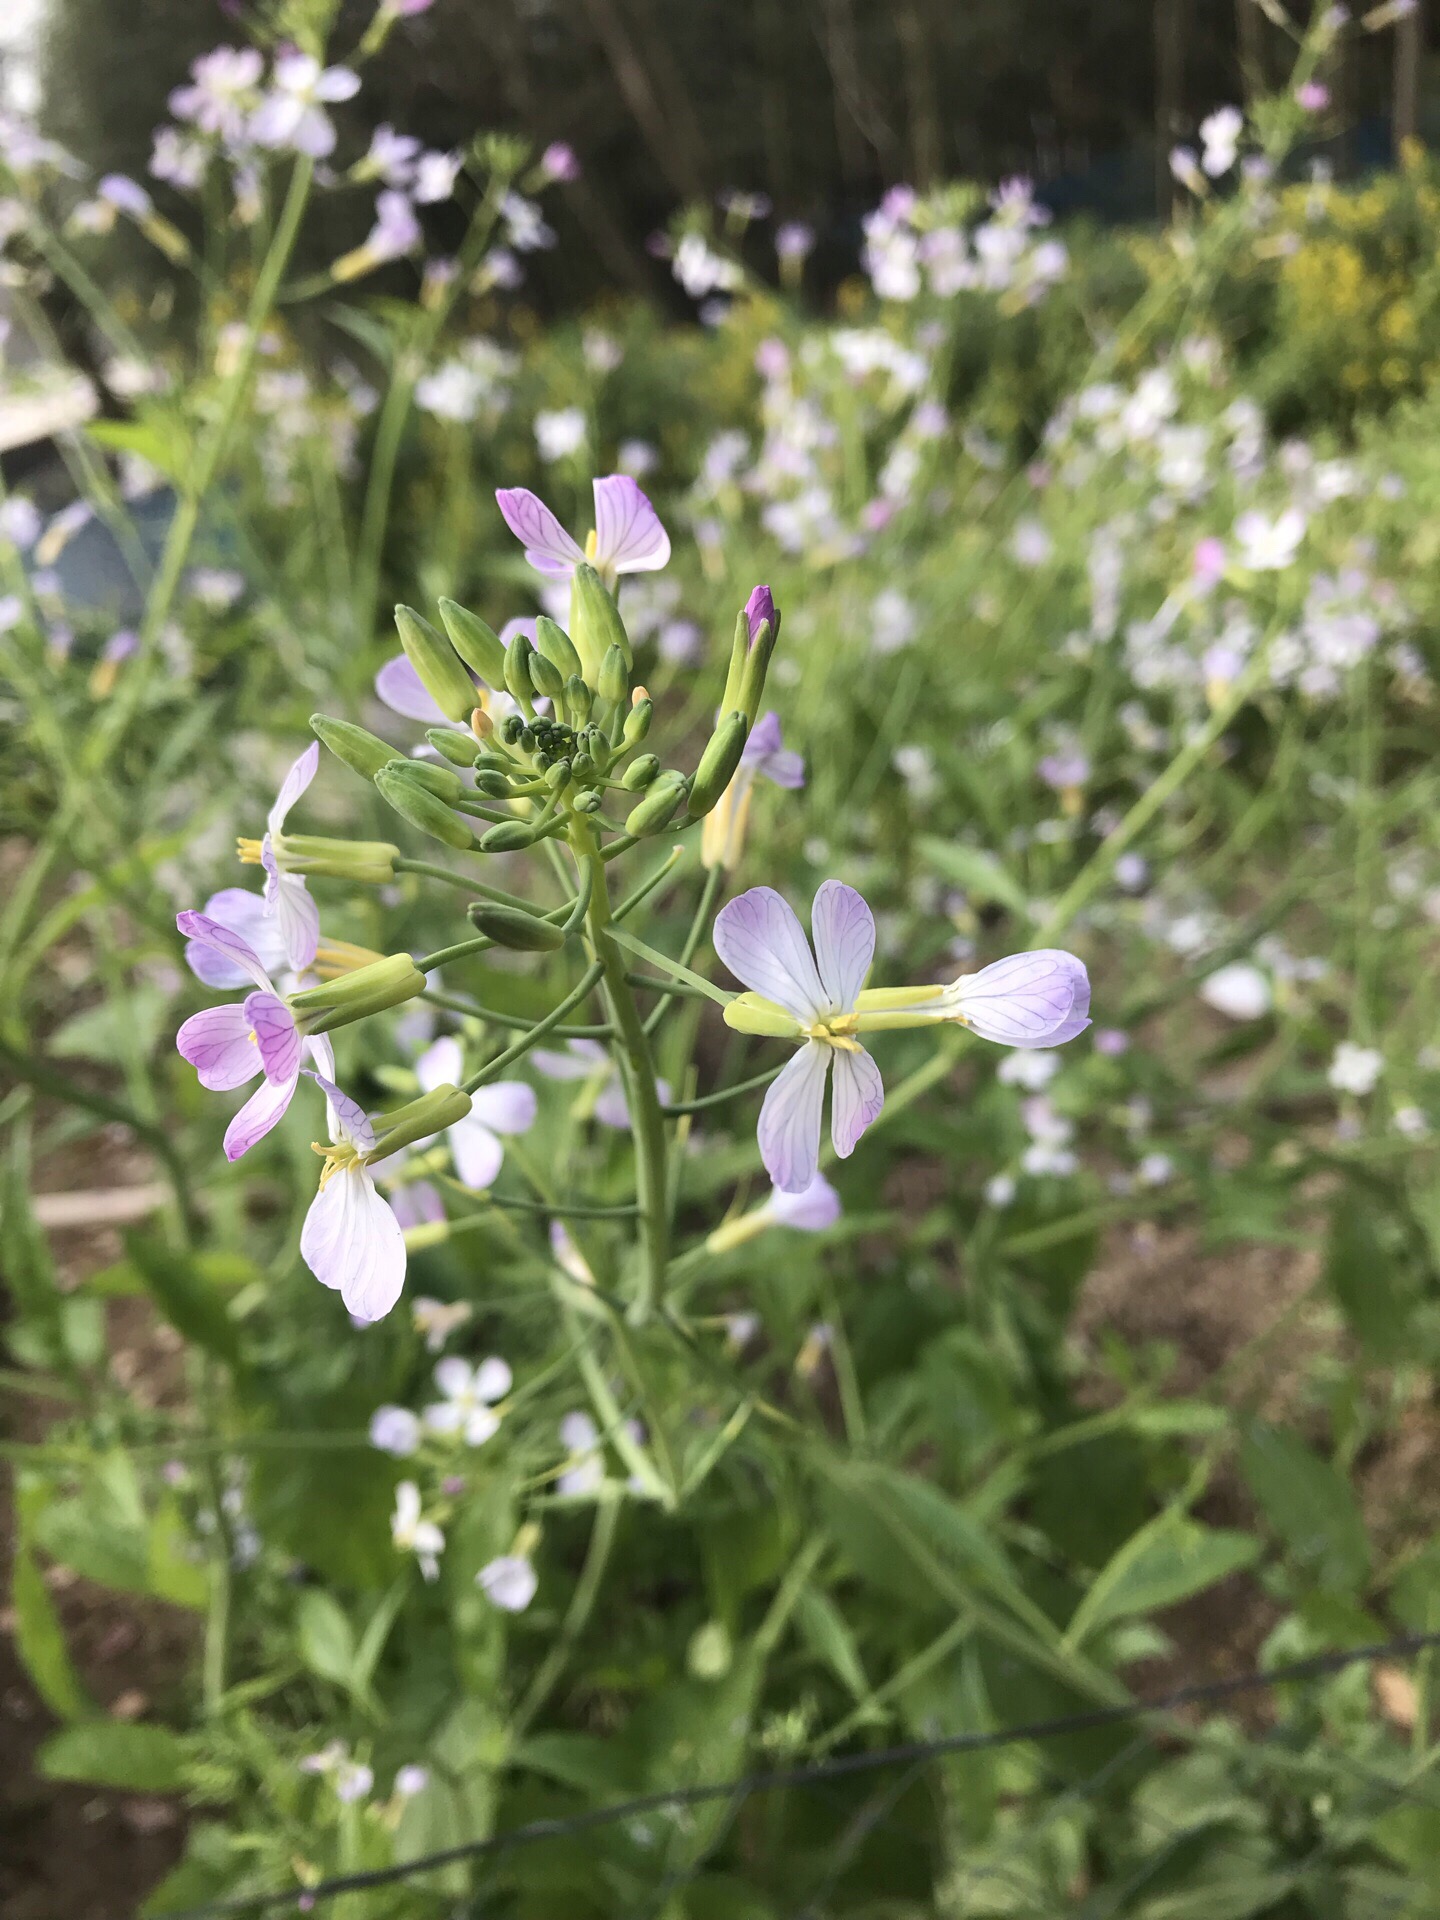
<point>218,1044</point>
<point>296,914</point>
<point>275,1035</point>
<point>844,931</point>
<point>219,939</point>
<point>789,1129</point>
<point>855,1099</point>
<point>764,946</point>
<point>293,785</point>
<point>265,1109</point>
<point>548,547</point>
<point>244,913</point>
<point>478,1155</point>
<point>628,535</point>
<point>348,1119</point>
<point>352,1242</point>
<point>506,1106</point>
<point>1039,999</point>
<point>400,687</point>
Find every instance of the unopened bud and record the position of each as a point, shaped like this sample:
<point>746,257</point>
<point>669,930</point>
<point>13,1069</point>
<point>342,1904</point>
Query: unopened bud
<point>517,671</point>
<point>445,784</point>
<point>509,927</point>
<point>362,752</point>
<point>658,807</point>
<point>367,862</point>
<point>595,623</point>
<point>545,676</point>
<point>421,808</point>
<point>497,785</point>
<point>433,658</point>
<point>637,721</point>
<point>578,699</point>
<point>478,646</point>
<point>640,773</point>
<point>588,802</point>
<point>718,763</point>
<point>481,725</point>
<point>557,647</point>
<point>615,677</point>
<point>508,836</point>
<point>458,748</point>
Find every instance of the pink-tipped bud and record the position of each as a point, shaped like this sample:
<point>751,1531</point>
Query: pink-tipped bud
<point>760,608</point>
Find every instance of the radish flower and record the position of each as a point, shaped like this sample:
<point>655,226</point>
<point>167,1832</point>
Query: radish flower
<point>505,1106</point>
<point>411,1533</point>
<point>287,897</point>
<point>351,1240</point>
<point>470,1392</point>
<point>627,537</point>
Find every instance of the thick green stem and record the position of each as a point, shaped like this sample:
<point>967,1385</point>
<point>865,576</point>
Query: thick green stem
<point>637,1071</point>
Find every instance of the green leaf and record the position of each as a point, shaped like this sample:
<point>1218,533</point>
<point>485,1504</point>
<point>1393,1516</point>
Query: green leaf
<point>324,1636</point>
<point>161,440</point>
<point>40,1640</point>
<point>185,1296</point>
<point>978,872</point>
<point>114,1753</point>
<point>174,1573</point>
<point>115,1030</point>
<point>823,1628</point>
<point>1311,1507</point>
<point>1165,1562</point>
<point>102,1546</point>
<point>1370,1279</point>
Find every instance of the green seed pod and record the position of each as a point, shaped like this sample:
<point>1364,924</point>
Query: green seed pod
<point>545,676</point>
<point>497,785</point>
<point>578,699</point>
<point>659,805</point>
<point>718,763</point>
<point>517,670</point>
<point>640,773</point>
<point>637,721</point>
<point>480,648</point>
<point>557,647</point>
<point>440,781</point>
<point>615,677</point>
<point>595,623</point>
<point>508,837</point>
<point>413,803</point>
<point>362,752</point>
<point>457,748</point>
<point>433,658</point>
<point>508,927</point>
<point>587,802</point>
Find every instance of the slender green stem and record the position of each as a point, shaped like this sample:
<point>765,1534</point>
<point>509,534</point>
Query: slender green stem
<point>481,943</point>
<point>573,1210</point>
<point>592,978</point>
<point>679,1107</point>
<point>474,1010</point>
<point>587,1589</point>
<point>637,1071</point>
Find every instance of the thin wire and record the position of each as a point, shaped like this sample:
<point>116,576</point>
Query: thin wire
<point>1317,1667</point>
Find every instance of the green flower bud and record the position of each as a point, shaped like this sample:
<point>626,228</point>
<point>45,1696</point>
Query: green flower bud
<point>480,648</point>
<point>362,752</point>
<point>588,802</point>
<point>578,699</point>
<point>640,773</point>
<point>595,623</point>
<point>739,654</point>
<point>557,647</point>
<point>371,862</point>
<point>508,836</point>
<point>457,748</point>
<point>718,763</point>
<point>421,808</point>
<point>356,995</point>
<point>545,676</point>
<point>752,683</point>
<point>637,721</point>
<point>517,671</point>
<point>441,781</point>
<point>433,658</point>
<point>615,677</point>
<point>658,806</point>
<point>582,766</point>
<point>497,785</point>
<point>441,1107</point>
<point>558,776</point>
<point>508,927</point>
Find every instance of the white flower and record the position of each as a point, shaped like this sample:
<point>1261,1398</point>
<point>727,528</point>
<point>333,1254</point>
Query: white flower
<point>1000,1190</point>
<point>1220,138</point>
<point>467,1408</point>
<point>1268,546</point>
<point>437,1320</point>
<point>1240,991</point>
<point>412,1534</point>
<point>559,432</point>
<point>508,1582</point>
<point>395,1430</point>
<point>1031,1068</point>
<point>1355,1069</point>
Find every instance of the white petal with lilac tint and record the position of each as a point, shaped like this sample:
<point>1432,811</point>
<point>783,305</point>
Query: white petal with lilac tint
<point>439,1065</point>
<point>809,1211</point>
<point>276,1036</point>
<point>506,1106</point>
<point>265,1109</point>
<point>764,946</point>
<point>612,1109</point>
<point>218,939</point>
<point>855,1099</point>
<point>348,1119</point>
<point>400,687</point>
<point>548,547</point>
<point>288,898</point>
<point>789,1129</point>
<point>219,1044</point>
<point>493,1379</point>
<point>844,931</point>
<point>579,1061</point>
<point>293,785</point>
<point>508,1582</point>
<point>352,1242</point>
<point>628,535</point>
<point>766,754</point>
<point>244,913</point>
<point>1039,999</point>
<point>477,1154</point>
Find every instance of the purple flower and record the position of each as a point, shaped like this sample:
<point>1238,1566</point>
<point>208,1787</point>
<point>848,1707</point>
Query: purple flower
<point>228,1046</point>
<point>396,1431</point>
<point>292,115</point>
<point>245,914</point>
<point>1313,96</point>
<point>396,231</point>
<point>351,1240</point>
<point>470,1393</point>
<point>812,1210</point>
<point>628,536</point>
<point>505,1106</point>
<point>762,943</point>
<point>794,240</point>
<point>287,897</point>
<point>1038,999</point>
<point>760,609</point>
<point>221,92</point>
<point>125,195</point>
<point>560,162</point>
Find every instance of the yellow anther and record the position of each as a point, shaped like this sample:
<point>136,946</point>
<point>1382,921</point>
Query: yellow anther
<point>337,1155</point>
<point>249,851</point>
<point>592,544</point>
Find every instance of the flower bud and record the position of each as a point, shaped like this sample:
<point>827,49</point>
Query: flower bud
<point>658,807</point>
<point>739,654</point>
<point>557,647</point>
<point>497,785</point>
<point>441,1107</point>
<point>441,781</point>
<point>718,763</point>
<point>508,836</point>
<point>582,766</point>
<point>433,658</point>
<point>595,623</point>
<point>355,996</point>
<point>457,748</point>
<point>479,647</point>
<point>588,802</point>
<point>637,721</point>
<point>545,676</point>
<point>763,624</point>
<point>517,671</point>
<point>558,776</point>
<point>367,862</point>
<point>421,808</point>
<point>578,699</point>
<point>615,676</point>
<point>640,773</point>
<point>509,927</point>
<point>362,752</point>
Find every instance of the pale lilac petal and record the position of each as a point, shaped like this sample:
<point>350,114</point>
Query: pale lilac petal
<point>294,784</point>
<point>478,1155</point>
<point>612,1109</point>
<point>417,1204</point>
<point>209,933</point>
<point>218,1045</point>
<point>265,1109</point>
<point>762,943</point>
<point>505,1106</point>
<point>244,913</point>
<point>454,1376</point>
<point>508,1583</point>
<point>548,547</point>
<point>348,1119</point>
<point>400,687</point>
<point>1038,999</point>
<point>318,1046</point>
<point>579,1061</point>
<point>352,1242</point>
<point>844,930</point>
<point>628,535</point>
<point>337,83</point>
<point>789,1130</point>
<point>439,1065</point>
<point>855,1099</point>
<point>493,1379</point>
<point>810,1211</point>
<point>275,1035</point>
<point>288,898</point>
<point>766,754</point>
